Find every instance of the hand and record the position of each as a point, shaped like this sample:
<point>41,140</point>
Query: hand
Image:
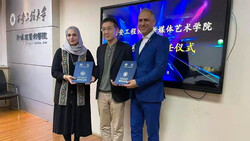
<point>91,81</point>
<point>113,83</point>
<point>131,84</point>
<point>69,78</point>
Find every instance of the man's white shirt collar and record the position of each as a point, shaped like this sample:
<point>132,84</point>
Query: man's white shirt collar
<point>149,34</point>
<point>145,40</point>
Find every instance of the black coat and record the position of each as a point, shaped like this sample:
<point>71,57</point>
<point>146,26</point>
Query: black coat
<point>57,72</point>
<point>123,52</point>
<point>70,118</point>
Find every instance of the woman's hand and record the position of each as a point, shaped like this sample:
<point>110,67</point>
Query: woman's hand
<point>91,81</point>
<point>69,78</point>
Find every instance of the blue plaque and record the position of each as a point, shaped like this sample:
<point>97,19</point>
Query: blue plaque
<point>83,72</point>
<point>126,72</point>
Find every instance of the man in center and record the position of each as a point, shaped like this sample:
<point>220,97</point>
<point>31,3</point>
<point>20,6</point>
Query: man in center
<point>111,99</point>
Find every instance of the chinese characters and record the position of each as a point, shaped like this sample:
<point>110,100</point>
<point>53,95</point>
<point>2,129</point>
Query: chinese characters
<point>34,15</point>
<point>179,28</point>
<point>180,48</point>
<point>32,36</point>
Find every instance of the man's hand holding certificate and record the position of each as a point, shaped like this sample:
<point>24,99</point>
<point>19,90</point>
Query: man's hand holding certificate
<point>126,72</point>
<point>83,72</point>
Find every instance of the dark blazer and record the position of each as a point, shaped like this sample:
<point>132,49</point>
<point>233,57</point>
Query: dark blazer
<point>122,52</point>
<point>151,66</point>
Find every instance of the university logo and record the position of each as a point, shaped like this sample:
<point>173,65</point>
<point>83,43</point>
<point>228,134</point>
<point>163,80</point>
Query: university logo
<point>12,19</point>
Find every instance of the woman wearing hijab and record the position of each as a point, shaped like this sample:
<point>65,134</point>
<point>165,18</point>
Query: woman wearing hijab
<point>72,101</point>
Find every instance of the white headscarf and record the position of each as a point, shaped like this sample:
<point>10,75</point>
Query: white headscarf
<point>79,49</point>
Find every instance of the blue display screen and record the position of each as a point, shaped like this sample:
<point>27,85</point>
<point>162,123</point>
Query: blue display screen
<point>197,31</point>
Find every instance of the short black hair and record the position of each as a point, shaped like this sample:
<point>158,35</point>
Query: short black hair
<point>112,20</point>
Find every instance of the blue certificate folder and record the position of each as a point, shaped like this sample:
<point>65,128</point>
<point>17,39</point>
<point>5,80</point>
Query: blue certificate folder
<point>126,72</point>
<point>83,72</point>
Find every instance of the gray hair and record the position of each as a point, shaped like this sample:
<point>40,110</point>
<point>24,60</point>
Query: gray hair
<point>148,10</point>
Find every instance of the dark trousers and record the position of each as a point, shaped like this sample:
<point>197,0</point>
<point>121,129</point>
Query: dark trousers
<point>141,111</point>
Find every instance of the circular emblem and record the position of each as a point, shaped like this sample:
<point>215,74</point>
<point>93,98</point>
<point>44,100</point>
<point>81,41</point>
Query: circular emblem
<point>125,74</point>
<point>12,19</point>
<point>82,73</point>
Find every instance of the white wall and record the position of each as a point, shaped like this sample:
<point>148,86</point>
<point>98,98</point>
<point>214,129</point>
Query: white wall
<point>216,117</point>
<point>3,49</point>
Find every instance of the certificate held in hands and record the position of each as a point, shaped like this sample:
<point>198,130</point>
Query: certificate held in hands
<point>83,72</point>
<point>126,72</point>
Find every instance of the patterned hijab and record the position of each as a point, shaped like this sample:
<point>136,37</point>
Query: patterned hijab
<point>79,49</point>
